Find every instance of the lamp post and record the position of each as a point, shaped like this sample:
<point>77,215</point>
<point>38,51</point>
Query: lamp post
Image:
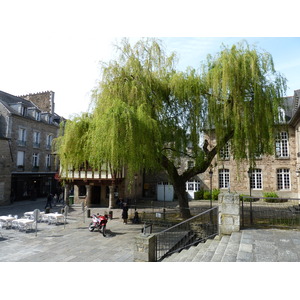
<point>250,175</point>
<point>210,178</point>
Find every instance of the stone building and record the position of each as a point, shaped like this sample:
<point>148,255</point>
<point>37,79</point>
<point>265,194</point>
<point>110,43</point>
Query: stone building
<point>278,173</point>
<point>5,170</point>
<point>100,187</point>
<point>29,127</point>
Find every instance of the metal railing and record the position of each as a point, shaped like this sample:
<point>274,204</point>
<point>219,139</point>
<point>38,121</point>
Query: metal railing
<point>190,232</point>
<point>270,212</point>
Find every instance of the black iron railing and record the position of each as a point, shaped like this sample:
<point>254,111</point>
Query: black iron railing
<point>190,232</point>
<point>270,212</point>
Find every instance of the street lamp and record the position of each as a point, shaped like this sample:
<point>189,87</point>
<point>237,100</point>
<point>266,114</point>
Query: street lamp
<point>250,175</point>
<point>210,177</point>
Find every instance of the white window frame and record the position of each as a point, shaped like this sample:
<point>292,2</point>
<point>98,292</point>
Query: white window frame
<point>48,160</point>
<point>36,139</point>
<point>23,111</point>
<point>37,115</point>
<point>49,141</point>
<point>225,152</point>
<point>283,179</point>
<point>35,159</point>
<point>224,178</point>
<point>21,158</point>
<point>256,179</point>
<point>282,145</point>
<point>22,136</point>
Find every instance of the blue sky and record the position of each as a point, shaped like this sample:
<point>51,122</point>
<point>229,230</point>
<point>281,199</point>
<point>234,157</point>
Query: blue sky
<point>57,45</point>
<point>284,50</point>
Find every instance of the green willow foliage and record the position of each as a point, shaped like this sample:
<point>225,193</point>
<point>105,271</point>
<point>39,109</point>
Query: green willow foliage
<point>244,96</point>
<point>71,145</point>
<point>145,110</point>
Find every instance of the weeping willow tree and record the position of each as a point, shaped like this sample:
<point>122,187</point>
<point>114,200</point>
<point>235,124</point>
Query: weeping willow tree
<point>147,115</point>
<point>71,145</point>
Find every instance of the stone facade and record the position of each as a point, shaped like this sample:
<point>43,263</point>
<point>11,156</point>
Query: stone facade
<point>268,166</point>
<point>5,171</point>
<point>238,174</point>
<point>30,131</point>
<point>44,100</point>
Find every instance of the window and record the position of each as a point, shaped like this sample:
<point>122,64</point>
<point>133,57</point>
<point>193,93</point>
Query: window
<point>35,159</point>
<point>256,179</point>
<point>23,111</point>
<point>20,158</point>
<point>281,115</point>
<point>223,178</point>
<point>190,186</point>
<point>225,153</point>
<point>48,119</point>
<point>190,164</point>
<point>22,137</point>
<point>49,141</point>
<point>48,160</point>
<point>36,139</point>
<point>193,185</point>
<point>37,115</point>
<point>282,145</point>
<point>283,179</point>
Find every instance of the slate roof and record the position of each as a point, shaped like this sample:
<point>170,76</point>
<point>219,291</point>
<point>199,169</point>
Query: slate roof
<point>11,99</point>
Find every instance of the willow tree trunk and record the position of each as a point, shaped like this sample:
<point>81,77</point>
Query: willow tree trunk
<point>180,190</point>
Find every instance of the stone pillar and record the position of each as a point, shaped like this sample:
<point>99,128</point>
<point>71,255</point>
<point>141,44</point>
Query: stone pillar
<point>111,196</point>
<point>144,248</point>
<point>229,213</point>
<point>88,199</point>
<point>76,194</point>
<point>66,194</point>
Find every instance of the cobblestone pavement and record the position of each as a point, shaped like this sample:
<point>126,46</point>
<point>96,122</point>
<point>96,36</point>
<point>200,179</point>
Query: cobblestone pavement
<point>70,243</point>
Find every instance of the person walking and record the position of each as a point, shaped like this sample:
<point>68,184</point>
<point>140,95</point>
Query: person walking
<point>49,201</point>
<point>125,213</point>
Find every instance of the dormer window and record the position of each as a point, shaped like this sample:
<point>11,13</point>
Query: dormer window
<point>37,115</point>
<point>281,115</point>
<point>48,119</point>
<point>23,111</point>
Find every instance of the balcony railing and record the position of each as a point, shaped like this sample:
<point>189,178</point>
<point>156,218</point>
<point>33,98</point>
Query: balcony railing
<point>21,143</point>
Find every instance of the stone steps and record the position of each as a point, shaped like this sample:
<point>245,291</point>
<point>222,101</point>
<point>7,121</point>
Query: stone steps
<point>245,246</point>
<point>214,250</point>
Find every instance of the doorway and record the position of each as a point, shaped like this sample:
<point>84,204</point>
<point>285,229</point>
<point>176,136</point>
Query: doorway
<point>96,195</point>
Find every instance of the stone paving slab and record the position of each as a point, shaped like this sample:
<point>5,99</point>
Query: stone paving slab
<point>70,243</point>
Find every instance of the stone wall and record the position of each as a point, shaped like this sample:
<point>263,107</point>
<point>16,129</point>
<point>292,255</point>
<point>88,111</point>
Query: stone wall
<point>44,100</point>
<point>5,170</point>
<point>31,126</point>
<point>144,248</point>
<point>239,180</point>
<point>229,213</point>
